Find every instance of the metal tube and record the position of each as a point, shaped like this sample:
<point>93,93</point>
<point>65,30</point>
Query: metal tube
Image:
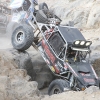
<point>31,24</point>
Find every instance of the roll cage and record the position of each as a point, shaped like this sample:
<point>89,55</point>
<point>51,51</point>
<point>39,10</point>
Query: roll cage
<point>61,48</point>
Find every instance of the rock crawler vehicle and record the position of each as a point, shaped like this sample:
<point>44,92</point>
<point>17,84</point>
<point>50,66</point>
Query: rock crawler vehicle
<point>63,48</point>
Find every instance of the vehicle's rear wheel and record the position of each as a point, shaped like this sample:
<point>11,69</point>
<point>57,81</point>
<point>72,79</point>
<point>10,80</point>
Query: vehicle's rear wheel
<point>22,37</point>
<point>43,6</point>
<point>58,86</point>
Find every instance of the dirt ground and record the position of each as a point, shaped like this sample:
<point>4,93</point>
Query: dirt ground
<point>91,93</point>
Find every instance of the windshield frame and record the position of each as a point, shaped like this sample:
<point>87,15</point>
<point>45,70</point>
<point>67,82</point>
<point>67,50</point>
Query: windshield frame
<point>79,56</point>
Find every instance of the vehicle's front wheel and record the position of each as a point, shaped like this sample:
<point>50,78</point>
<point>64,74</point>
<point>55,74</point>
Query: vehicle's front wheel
<point>22,37</point>
<point>58,86</point>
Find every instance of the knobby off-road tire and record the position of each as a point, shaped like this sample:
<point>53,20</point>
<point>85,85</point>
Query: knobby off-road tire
<point>41,14</point>
<point>41,17</point>
<point>43,6</point>
<point>58,86</point>
<point>22,37</point>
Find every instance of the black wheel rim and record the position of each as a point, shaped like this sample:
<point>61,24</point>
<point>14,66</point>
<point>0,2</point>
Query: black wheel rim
<point>56,90</point>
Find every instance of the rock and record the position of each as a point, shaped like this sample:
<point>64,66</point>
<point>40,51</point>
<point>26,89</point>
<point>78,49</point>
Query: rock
<point>96,65</point>
<point>23,61</point>
<point>26,63</point>
<point>44,79</point>
<point>93,19</point>
<point>18,89</point>
<point>43,74</point>
<point>14,82</point>
<point>4,84</point>
<point>91,90</point>
<point>22,89</point>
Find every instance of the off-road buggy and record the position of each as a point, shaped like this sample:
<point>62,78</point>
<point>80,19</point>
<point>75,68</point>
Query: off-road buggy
<point>63,48</point>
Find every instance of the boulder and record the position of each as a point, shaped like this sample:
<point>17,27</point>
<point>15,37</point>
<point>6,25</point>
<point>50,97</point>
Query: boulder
<point>96,65</point>
<point>23,61</point>
<point>93,19</point>
<point>44,75</point>
<point>91,90</point>
<point>15,83</point>
<point>30,63</point>
<point>18,89</point>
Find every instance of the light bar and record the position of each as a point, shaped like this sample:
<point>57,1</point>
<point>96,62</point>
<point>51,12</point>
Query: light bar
<point>82,43</point>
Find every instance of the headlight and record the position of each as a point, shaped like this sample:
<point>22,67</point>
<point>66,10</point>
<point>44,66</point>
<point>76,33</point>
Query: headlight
<point>88,44</point>
<point>82,43</point>
<point>77,42</point>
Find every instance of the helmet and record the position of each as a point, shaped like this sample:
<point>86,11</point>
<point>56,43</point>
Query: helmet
<point>35,2</point>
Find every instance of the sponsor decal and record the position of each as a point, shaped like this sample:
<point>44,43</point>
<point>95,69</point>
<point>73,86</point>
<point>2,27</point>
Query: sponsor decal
<point>89,80</point>
<point>48,52</point>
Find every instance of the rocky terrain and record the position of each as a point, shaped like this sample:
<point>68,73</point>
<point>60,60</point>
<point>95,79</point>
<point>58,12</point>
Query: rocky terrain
<point>16,77</point>
<point>22,73</point>
<point>84,13</point>
<point>15,84</point>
